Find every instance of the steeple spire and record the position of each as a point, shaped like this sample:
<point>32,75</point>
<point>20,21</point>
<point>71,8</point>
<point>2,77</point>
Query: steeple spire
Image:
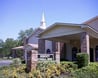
<point>43,22</point>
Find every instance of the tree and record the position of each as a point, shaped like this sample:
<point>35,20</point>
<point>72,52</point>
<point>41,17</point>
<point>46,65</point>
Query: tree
<point>8,45</point>
<point>1,43</point>
<point>1,47</point>
<point>24,33</point>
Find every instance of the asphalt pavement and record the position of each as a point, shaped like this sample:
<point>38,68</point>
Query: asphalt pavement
<point>5,62</point>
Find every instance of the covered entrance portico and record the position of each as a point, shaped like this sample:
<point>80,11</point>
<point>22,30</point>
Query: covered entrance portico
<point>69,46</point>
<point>73,38</point>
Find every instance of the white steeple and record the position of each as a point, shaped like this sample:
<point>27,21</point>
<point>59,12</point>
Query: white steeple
<point>43,22</point>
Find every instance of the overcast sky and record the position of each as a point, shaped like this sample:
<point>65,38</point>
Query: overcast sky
<point>16,15</point>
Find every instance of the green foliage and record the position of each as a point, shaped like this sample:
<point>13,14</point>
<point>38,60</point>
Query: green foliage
<point>70,64</point>
<point>90,71</point>
<point>44,64</point>
<point>51,70</point>
<point>23,61</point>
<point>82,59</point>
<point>6,50</point>
<point>1,43</point>
<point>46,69</point>
<point>24,33</point>
<point>7,46</point>
<point>68,67</point>
<point>13,71</point>
<point>16,61</point>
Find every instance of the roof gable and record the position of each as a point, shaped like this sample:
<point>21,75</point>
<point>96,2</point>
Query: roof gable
<point>91,20</point>
<point>61,24</point>
<point>61,29</point>
<point>36,32</point>
<point>93,23</point>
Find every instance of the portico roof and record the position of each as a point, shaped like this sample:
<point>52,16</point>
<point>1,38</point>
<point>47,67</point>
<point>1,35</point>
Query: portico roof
<point>33,46</point>
<point>18,48</point>
<point>57,30</point>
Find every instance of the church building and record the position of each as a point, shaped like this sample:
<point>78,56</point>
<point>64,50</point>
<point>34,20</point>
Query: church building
<point>74,38</point>
<point>62,41</point>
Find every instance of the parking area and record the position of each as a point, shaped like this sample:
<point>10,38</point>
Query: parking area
<point>5,62</point>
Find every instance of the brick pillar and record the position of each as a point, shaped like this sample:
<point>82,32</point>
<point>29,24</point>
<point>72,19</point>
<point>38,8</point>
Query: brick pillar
<point>32,58</point>
<point>41,46</point>
<point>57,53</point>
<point>85,42</point>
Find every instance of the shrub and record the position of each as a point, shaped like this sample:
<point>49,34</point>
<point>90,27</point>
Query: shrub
<point>90,71</point>
<point>12,71</point>
<point>16,61</point>
<point>68,67</point>
<point>50,69</point>
<point>82,60</point>
<point>45,69</point>
<point>41,65</point>
<point>23,61</point>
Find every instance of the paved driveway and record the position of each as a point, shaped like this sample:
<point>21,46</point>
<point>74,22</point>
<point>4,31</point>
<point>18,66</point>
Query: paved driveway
<point>5,62</point>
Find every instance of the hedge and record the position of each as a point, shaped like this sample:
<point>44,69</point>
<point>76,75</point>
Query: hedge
<point>82,59</point>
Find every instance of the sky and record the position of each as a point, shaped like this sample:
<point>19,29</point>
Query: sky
<point>17,15</point>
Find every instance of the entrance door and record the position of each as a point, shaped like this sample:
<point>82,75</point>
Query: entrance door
<point>96,53</point>
<point>74,53</point>
<point>91,55</point>
<point>63,52</point>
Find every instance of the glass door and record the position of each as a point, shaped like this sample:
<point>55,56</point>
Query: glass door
<point>74,53</point>
<point>96,53</point>
<point>91,55</point>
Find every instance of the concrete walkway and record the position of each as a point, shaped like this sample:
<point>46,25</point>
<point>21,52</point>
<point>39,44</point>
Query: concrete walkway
<point>5,62</point>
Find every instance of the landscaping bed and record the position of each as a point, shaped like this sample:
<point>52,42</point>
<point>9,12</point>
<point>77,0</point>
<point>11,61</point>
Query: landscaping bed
<point>44,70</point>
<point>50,70</point>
